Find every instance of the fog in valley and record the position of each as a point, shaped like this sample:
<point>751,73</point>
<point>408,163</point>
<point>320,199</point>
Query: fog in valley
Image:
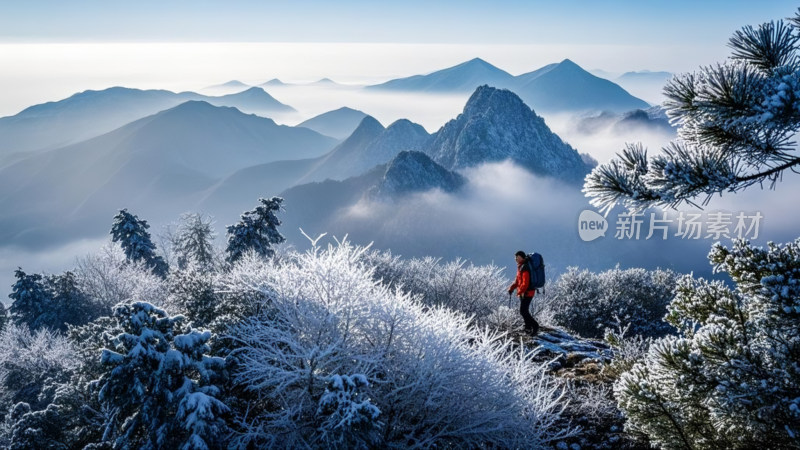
<point>502,208</point>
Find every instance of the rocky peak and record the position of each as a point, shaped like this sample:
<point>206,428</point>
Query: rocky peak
<point>496,125</point>
<point>412,171</point>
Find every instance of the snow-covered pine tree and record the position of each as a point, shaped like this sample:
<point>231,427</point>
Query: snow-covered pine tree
<point>162,388</point>
<point>134,238</point>
<point>70,305</point>
<point>736,124</point>
<point>30,300</point>
<point>731,378</point>
<point>256,231</point>
<point>193,242</point>
<point>350,418</point>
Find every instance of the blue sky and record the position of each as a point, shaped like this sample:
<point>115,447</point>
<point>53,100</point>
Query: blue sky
<point>51,49</point>
<point>414,21</point>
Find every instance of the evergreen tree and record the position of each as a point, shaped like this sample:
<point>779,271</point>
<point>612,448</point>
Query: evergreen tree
<point>731,378</point>
<point>191,291</point>
<point>736,124</point>
<point>54,302</point>
<point>159,384</point>
<point>193,242</point>
<point>134,238</point>
<point>30,300</point>
<point>70,306</point>
<point>256,231</point>
<point>3,317</point>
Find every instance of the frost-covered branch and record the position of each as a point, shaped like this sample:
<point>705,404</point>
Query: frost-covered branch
<point>736,122</point>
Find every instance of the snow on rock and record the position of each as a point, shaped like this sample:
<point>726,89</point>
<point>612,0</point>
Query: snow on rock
<point>495,126</point>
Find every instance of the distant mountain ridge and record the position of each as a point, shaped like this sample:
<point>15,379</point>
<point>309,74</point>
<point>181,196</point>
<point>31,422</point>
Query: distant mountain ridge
<point>91,113</point>
<point>370,145</point>
<point>459,78</point>
<point>339,123</point>
<point>163,162</point>
<point>558,87</point>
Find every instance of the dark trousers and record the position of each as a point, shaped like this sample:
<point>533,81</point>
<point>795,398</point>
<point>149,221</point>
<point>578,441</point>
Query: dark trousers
<point>524,307</point>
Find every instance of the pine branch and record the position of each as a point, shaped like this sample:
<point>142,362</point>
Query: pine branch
<point>770,46</point>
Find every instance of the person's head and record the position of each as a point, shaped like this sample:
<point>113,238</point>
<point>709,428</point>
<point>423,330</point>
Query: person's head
<point>520,257</point>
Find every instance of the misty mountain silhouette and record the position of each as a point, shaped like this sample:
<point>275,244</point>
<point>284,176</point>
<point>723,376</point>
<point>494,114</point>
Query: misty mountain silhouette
<point>568,87</point>
<point>370,145</point>
<point>651,120</point>
<point>496,125</point>
<point>558,87</point>
<point>339,123</point>
<point>646,76</point>
<point>92,113</point>
<point>319,203</point>
<point>412,171</point>
<point>273,82</point>
<point>252,100</point>
<point>464,77</point>
<point>160,163</point>
<point>233,84</point>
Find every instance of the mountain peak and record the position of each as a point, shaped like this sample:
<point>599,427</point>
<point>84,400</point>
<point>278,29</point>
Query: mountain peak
<point>254,91</point>
<point>273,82</point>
<point>490,100</point>
<point>368,124</point>
<point>496,125</point>
<point>463,77</point>
<point>476,62</point>
<point>254,99</point>
<point>412,171</point>
<point>367,130</point>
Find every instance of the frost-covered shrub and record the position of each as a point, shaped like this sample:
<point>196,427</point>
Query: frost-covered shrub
<point>243,291</point>
<point>349,416</point>
<point>162,388</point>
<point>108,278</point>
<point>473,290</point>
<point>434,379</point>
<point>3,316</point>
<point>588,302</point>
<point>192,293</point>
<point>731,378</point>
<point>627,350</point>
<point>29,360</point>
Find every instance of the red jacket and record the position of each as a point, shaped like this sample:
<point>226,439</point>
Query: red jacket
<point>523,282</point>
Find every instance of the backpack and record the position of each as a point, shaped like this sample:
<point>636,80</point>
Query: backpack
<point>535,264</point>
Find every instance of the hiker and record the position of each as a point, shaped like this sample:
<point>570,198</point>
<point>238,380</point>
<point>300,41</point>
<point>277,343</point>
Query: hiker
<point>525,292</point>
